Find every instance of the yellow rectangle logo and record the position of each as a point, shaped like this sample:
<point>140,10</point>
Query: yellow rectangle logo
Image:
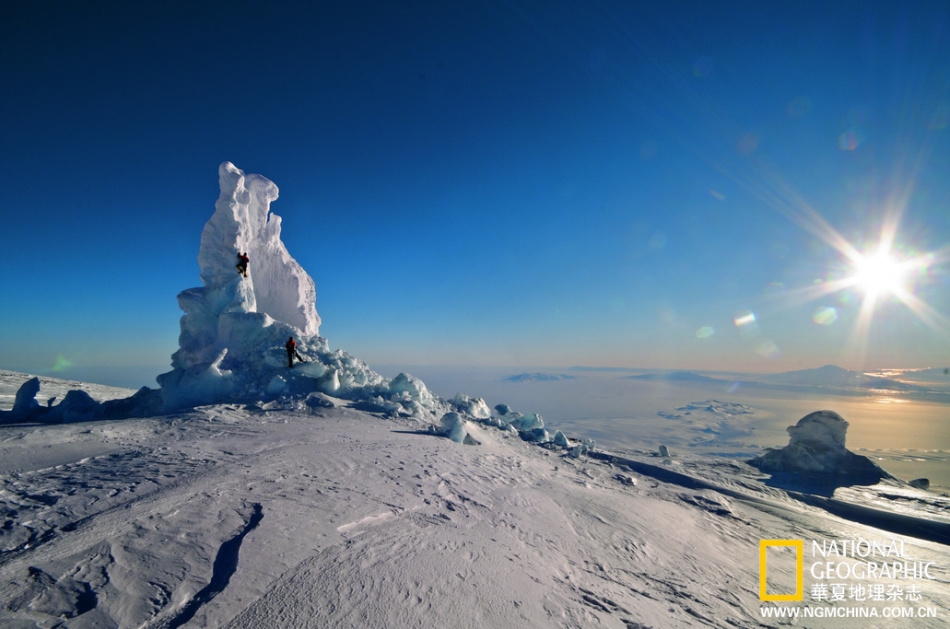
<point>798,545</point>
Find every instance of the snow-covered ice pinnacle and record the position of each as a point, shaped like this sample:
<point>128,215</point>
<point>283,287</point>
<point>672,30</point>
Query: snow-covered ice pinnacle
<point>233,333</point>
<point>234,327</point>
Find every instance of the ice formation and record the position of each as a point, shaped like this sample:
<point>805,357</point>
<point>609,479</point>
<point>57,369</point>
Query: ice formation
<point>816,451</point>
<point>25,403</point>
<point>234,328</point>
<point>233,333</point>
<point>457,426</point>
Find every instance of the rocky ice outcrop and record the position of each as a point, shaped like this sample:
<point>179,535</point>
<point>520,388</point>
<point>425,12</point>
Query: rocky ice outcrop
<point>816,452</point>
<point>816,444</point>
<point>25,404</point>
<point>78,406</point>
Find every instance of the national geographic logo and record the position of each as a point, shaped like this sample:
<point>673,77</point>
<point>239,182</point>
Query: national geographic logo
<point>841,569</point>
<point>799,547</point>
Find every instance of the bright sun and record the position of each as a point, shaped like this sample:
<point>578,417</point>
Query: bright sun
<point>879,274</point>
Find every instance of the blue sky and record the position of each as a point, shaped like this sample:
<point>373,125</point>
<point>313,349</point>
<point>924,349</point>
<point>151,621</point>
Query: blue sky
<point>644,184</point>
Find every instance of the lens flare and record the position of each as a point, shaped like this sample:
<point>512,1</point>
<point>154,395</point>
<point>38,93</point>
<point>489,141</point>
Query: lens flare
<point>744,319</point>
<point>849,140</point>
<point>768,349</point>
<point>825,316</point>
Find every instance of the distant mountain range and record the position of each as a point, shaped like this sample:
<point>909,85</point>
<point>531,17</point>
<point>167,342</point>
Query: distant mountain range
<point>829,378</point>
<point>678,376</point>
<point>537,377</point>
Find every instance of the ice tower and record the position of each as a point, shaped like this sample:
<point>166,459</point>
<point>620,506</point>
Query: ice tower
<point>231,346</point>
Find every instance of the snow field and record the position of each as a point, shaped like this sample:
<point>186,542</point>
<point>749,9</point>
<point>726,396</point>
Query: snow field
<point>230,517</point>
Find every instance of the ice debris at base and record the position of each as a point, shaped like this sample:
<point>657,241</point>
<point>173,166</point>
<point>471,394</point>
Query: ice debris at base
<point>530,427</point>
<point>585,447</point>
<point>624,479</point>
<point>475,407</point>
<point>454,427</point>
<point>816,452</point>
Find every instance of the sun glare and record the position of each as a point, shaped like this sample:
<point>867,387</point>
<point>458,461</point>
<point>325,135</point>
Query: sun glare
<point>883,273</point>
<point>879,274</point>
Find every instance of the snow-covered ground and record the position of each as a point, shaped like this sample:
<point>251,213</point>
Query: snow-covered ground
<point>229,516</point>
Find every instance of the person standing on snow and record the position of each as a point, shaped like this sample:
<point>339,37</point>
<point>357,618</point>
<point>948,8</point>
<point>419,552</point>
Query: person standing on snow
<point>242,263</point>
<point>291,346</point>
